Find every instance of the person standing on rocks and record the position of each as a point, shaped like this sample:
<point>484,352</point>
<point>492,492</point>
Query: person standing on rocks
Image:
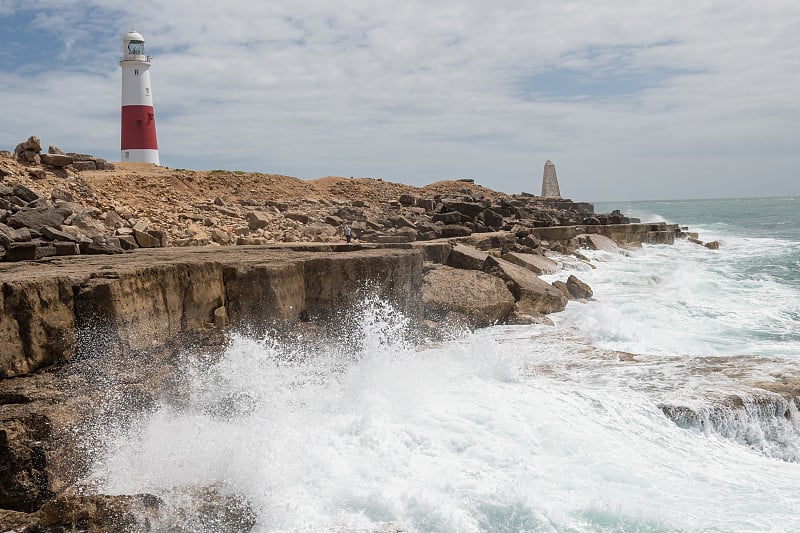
<point>348,233</point>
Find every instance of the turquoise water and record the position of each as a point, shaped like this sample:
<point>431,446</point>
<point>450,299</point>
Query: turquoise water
<point>515,428</point>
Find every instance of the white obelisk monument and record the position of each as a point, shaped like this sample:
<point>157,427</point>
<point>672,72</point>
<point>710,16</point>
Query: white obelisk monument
<point>138,140</point>
<point>550,181</point>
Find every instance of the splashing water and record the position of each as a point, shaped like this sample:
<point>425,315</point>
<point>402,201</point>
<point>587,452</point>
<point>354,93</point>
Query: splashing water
<point>475,434</point>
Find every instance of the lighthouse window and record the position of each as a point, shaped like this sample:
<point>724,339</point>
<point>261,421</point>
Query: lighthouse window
<point>147,91</point>
<point>136,72</point>
<point>136,47</point>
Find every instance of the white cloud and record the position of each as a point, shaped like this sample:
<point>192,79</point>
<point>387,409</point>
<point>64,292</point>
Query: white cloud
<point>420,91</point>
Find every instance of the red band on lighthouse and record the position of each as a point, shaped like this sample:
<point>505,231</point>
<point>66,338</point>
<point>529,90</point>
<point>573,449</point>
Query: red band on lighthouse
<point>138,128</point>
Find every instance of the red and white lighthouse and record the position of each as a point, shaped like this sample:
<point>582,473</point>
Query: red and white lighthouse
<point>138,119</point>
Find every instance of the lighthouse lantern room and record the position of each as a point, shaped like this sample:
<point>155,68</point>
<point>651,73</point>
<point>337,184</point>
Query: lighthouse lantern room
<point>138,124</point>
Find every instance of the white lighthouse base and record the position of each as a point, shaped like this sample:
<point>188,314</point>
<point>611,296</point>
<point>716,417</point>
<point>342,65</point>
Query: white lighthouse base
<point>139,155</point>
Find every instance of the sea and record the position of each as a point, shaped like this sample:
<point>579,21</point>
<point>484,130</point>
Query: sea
<point>655,406</point>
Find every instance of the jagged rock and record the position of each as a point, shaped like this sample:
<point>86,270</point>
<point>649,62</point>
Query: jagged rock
<point>33,144</point>
<point>56,160</point>
<point>538,264</point>
<point>713,245</point>
<point>36,218</point>
<point>533,294</point>
<point>9,234</point>
<point>54,150</point>
<point>335,221</point>
<point>577,289</point>
<point>258,219</point>
<point>37,173</point>
<point>428,204</point>
<point>24,193</point>
<point>483,298</point>
<point>466,257</point>
<point>492,219</point>
<point>391,239</point>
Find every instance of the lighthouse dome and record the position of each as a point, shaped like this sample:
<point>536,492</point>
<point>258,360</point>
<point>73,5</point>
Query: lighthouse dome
<point>133,46</point>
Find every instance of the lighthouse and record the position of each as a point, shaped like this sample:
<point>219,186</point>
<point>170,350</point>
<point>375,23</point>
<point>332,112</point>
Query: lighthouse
<point>138,124</point>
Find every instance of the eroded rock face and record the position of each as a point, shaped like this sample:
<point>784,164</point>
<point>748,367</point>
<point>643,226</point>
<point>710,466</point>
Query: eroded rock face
<point>482,298</point>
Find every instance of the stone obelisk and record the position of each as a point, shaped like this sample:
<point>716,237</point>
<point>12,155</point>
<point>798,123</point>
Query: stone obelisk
<point>550,181</point>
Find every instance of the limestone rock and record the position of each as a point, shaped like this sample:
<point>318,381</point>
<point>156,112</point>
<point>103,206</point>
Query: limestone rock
<point>483,298</point>
<point>258,219</point>
<point>538,264</point>
<point>533,294</point>
<point>577,289</point>
<point>599,242</point>
<point>466,257</point>
<point>56,160</point>
<point>36,218</point>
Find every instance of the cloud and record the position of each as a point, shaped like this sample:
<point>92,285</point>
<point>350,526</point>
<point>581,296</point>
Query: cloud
<point>639,100</point>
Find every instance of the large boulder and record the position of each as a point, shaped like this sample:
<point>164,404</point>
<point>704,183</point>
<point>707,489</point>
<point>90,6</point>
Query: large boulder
<point>538,264</point>
<point>491,241</point>
<point>483,298</point>
<point>56,160</point>
<point>533,294</point>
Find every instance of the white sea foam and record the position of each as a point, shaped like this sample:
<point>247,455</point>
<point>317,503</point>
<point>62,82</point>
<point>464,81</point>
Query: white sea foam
<point>509,429</point>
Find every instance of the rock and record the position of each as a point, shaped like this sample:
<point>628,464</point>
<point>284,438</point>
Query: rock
<point>406,200</point>
<point>33,144</point>
<point>66,248</point>
<point>335,221</point>
<point>401,222</point>
<point>80,166</point>
<point>491,241</point>
<point>37,173</point>
<point>299,216</point>
<point>221,317</point>
<point>28,251</point>
<point>454,230</point>
<point>220,236</point>
<point>258,219</point>
<point>538,264</point>
<point>517,318</point>
<point>533,294</point>
<point>56,160</point>
<point>53,234</point>
<point>450,217</point>
<point>54,150</point>
<point>577,289</point>
<point>113,220</point>
<point>713,245</point>
<point>483,298</point>
<point>24,193</point>
<point>492,219</point>
<point>127,242</point>
<point>145,240</point>
<point>103,246</point>
<point>36,218</point>
<point>468,209</point>
<point>466,257</point>
<point>59,194</point>
<point>599,242</point>
<point>409,233</point>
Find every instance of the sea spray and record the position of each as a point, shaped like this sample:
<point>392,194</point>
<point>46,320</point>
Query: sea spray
<point>482,433</point>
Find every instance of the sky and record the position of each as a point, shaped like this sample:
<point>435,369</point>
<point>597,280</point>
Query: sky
<point>631,100</point>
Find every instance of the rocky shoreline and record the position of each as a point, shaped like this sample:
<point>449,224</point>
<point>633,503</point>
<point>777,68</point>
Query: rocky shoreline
<point>99,297</point>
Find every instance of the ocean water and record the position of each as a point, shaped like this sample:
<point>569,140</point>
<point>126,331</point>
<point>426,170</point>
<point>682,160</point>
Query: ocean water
<point>560,428</point>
